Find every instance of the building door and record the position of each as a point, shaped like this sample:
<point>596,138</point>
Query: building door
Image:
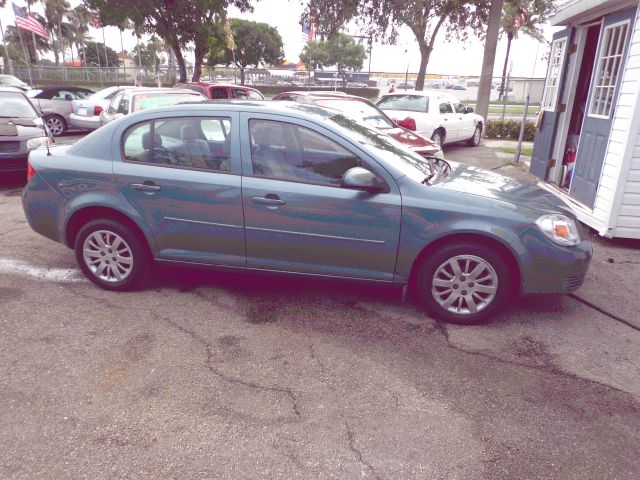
<point>603,96</point>
<point>545,138</point>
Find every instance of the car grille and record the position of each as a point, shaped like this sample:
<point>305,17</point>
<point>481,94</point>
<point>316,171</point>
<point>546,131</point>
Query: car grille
<point>573,283</point>
<point>8,147</point>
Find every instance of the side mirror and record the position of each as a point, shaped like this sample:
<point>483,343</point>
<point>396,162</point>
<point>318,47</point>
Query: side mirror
<point>469,110</point>
<point>360,178</point>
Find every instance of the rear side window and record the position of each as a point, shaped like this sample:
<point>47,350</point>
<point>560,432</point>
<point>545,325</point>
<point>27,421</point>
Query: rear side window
<point>202,143</point>
<point>218,93</point>
<point>412,103</point>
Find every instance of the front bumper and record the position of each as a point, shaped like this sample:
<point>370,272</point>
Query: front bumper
<point>555,269</point>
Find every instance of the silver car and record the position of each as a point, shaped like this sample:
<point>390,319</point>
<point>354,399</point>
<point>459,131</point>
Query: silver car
<point>135,99</point>
<point>21,130</point>
<point>54,104</point>
<point>85,112</point>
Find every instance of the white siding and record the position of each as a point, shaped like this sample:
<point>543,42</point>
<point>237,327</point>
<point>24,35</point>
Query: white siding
<point>619,190</point>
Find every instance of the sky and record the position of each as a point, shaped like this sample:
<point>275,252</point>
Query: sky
<point>448,58</point>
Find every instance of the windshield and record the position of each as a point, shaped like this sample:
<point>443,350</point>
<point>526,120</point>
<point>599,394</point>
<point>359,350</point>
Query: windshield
<point>11,81</point>
<point>411,103</point>
<point>104,94</point>
<point>152,100</point>
<point>14,105</point>
<point>410,163</point>
<point>359,110</point>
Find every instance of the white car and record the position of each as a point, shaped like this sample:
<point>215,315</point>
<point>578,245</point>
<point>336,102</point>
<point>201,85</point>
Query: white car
<point>439,116</point>
<point>86,112</point>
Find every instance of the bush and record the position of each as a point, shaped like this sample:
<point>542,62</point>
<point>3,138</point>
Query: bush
<point>510,129</point>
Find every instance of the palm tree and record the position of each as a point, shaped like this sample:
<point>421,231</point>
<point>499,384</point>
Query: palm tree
<point>55,11</point>
<point>12,38</point>
<point>522,16</point>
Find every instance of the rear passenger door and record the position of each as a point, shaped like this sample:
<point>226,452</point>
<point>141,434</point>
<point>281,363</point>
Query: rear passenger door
<point>448,118</point>
<point>189,194</point>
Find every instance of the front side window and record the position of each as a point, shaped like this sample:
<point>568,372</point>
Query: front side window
<point>184,142</point>
<point>290,152</point>
<point>459,106</point>
<point>218,93</point>
<point>412,103</point>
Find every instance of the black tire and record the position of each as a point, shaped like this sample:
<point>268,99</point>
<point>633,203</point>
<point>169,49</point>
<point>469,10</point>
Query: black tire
<point>134,259</point>
<point>437,261</point>
<point>438,137</point>
<point>56,124</point>
<point>477,134</point>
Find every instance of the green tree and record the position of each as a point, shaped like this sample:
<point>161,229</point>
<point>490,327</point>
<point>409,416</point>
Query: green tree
<point>148,55</point>
<point>314,55</point>
<point>255,43</point>
<point>12,39</point>
<point>55,11</point>
<point>382,18</point>
<point>94,54</point>
<point>177,22</point>
<point>522,16</point>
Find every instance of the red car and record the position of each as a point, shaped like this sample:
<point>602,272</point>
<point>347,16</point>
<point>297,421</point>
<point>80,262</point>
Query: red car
<point>217,91</point>
<point>363,109</point>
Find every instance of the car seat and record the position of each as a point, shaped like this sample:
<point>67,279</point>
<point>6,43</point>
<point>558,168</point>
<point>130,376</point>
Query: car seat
<point>268,160</point>
<point>154,152</point>
<point>194,152</point>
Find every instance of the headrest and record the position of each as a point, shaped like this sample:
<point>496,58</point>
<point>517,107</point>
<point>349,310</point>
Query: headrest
<point>146,140</point>
<point>187,133</point>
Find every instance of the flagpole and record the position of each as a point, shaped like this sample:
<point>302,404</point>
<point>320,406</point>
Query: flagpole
<point>33,37</point>
<point>122,54</point>
<point>26,61</point>
<point>104,42</point>
<point>6,52</point>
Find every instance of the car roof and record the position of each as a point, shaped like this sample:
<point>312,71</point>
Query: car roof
<point>212,84</point>
<point>318,93</point>
<point>143,90</point>
<point>50,88</point>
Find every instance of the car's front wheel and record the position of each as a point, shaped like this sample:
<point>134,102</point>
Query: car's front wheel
<point>111,255</point>
<point>57,125</point>
<point>475,140</point>
<point>463,283</point>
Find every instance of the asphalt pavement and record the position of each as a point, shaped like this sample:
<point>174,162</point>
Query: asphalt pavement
<point>208,375</point>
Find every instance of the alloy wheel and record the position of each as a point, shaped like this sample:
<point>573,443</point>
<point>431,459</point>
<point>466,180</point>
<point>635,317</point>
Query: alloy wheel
<point>108,256</point>
<point>56,126</point>
<point>464,284</point>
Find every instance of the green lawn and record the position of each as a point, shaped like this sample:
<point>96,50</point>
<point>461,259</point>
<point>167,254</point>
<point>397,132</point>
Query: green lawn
<point>526,151</point>
<point>514,109</point>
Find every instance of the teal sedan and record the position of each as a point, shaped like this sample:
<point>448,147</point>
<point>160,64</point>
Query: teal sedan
<point>299,190</point>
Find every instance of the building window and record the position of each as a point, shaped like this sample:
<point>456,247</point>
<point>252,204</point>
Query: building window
<point>554,72</point>
<point>609,63</point>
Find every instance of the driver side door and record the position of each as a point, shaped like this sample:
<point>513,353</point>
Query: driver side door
<point>299,218</point>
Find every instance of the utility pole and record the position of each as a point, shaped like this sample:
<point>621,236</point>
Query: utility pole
<point>488,60</point>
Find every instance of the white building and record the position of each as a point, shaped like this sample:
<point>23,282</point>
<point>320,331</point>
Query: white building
<point>587,150</point>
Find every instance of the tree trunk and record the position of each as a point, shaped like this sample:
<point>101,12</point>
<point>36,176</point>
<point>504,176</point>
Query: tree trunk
<point>504,68</point>
<point>241,75</point>
<point>425,53</point>
<point>182,69</point>
<point>484,89</point>
<point>199,53</point>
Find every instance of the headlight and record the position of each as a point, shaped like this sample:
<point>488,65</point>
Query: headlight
<point>34,143</point>
<point>559,228</point>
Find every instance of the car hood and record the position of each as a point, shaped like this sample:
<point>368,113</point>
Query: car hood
<point>487,184</point>
<point>411,140</point>
<point>19,129</point>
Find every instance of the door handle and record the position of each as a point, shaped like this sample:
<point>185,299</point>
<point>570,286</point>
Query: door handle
<point>146,186</point>
<point>274,200</point>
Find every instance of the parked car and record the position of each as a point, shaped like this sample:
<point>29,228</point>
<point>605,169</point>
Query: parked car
<point>21,130</point>
<point>11,81</point>
<point>85,113</point>
<point>458,86</point>
<point>135,99</point>
<point>441,117</point>
<point>292,188</point>
<point>362,109</point>
<point>219,91</point>
<point>54,103</point>
<point>405,86</point>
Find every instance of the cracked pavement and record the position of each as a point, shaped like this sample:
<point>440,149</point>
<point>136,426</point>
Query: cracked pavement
<point>205,375</point>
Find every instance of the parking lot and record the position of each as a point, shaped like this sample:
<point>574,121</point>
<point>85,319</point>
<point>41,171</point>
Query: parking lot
<point>205,375</point>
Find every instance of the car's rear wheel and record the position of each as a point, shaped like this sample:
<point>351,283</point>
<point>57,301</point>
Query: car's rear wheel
<point>463,283</point>
<point>477,134</point>
<point>438,137</point>
<point>56,124</point>
<point>111,256</point>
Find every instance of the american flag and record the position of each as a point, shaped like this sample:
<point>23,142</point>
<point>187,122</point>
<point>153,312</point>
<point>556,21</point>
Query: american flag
<point>309,32</point>
<point>25,21</point>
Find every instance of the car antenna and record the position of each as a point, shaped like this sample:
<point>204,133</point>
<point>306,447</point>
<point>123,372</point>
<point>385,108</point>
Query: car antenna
<point>44,128</point>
